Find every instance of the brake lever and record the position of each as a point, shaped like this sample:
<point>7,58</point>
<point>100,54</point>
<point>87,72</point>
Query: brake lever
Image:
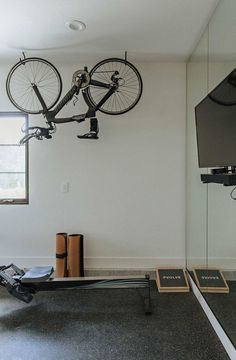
<point>39,134</point>
<point>26,138</point>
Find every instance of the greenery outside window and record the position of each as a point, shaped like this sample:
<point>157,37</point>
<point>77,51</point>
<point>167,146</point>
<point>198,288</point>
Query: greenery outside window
<point>13,159</point>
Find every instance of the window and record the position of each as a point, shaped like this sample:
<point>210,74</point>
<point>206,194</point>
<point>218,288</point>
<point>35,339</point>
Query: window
<point>13,159</point>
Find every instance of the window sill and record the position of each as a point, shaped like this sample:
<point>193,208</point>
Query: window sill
<point>14,202</point>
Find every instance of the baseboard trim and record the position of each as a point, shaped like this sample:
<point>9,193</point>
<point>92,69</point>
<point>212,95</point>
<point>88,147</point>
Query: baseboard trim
<point>229,348</point>
<point>131,263</point>
<point>99,263</point>
<point>130,272</point>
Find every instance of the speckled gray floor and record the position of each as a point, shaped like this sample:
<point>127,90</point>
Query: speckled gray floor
<point>224,307</point>
<point>105,324</point>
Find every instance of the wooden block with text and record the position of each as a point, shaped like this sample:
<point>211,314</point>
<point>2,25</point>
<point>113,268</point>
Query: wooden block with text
<point>210,280</point>
<point>172,280</point>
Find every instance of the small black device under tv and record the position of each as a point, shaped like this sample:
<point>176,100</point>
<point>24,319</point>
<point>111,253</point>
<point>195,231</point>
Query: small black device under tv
<point>216,132</point>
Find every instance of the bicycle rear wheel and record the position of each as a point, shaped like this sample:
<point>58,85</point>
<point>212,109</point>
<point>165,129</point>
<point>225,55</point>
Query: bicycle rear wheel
<point>129,90</point>
<point>24,75</point>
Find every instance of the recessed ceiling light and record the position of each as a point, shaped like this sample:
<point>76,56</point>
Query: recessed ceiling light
<point>75,25</point>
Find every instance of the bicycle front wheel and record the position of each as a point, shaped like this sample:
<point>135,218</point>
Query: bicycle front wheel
<point>128,92</point>
<point>29,72</point>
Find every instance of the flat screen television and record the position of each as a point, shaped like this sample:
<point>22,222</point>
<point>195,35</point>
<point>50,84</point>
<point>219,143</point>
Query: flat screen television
<point>216,125</point>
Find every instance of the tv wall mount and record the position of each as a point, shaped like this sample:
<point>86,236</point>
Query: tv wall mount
<point>224,175</point>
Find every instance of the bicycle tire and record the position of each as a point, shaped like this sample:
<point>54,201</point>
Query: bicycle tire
<point>31,71</point>
<point>128,93</point>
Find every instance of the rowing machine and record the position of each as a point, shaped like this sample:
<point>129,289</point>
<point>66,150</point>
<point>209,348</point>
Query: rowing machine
<point>23,285</point>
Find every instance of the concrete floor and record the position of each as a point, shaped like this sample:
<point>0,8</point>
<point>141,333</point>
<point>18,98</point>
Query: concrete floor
<point>105,324</point>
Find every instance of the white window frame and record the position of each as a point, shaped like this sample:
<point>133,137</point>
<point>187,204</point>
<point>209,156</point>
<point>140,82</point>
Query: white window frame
<point>25,200</point>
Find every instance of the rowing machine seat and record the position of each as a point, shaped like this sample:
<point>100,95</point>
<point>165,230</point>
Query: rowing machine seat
<point>37,274</point>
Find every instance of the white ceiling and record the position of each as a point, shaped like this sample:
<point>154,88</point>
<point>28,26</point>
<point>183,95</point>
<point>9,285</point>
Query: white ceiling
<point>149,30</point>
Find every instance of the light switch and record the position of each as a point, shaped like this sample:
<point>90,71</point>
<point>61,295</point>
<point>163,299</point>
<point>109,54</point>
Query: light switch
<point>65,187</point>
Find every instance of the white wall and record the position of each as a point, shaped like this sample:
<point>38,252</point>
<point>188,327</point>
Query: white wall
<point>127,190</point>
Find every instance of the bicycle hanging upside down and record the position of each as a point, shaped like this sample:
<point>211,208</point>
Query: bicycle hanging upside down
<point>34,86</point>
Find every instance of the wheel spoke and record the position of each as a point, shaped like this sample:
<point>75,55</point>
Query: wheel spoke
<point>33,71</point>
<point>129,90</point>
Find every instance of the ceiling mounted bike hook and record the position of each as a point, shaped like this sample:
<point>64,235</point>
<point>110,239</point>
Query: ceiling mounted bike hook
<point>24,57</point>
<point>125,57</point>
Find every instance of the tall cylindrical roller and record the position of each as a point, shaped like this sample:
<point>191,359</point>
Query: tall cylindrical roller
<point>75,248</point>
<point>61,254</point>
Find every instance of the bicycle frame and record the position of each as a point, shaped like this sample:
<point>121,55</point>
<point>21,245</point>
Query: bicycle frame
<point>75,89</point>
<point>79,83</point>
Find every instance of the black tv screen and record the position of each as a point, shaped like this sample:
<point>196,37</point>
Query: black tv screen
<point>216,125</point>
